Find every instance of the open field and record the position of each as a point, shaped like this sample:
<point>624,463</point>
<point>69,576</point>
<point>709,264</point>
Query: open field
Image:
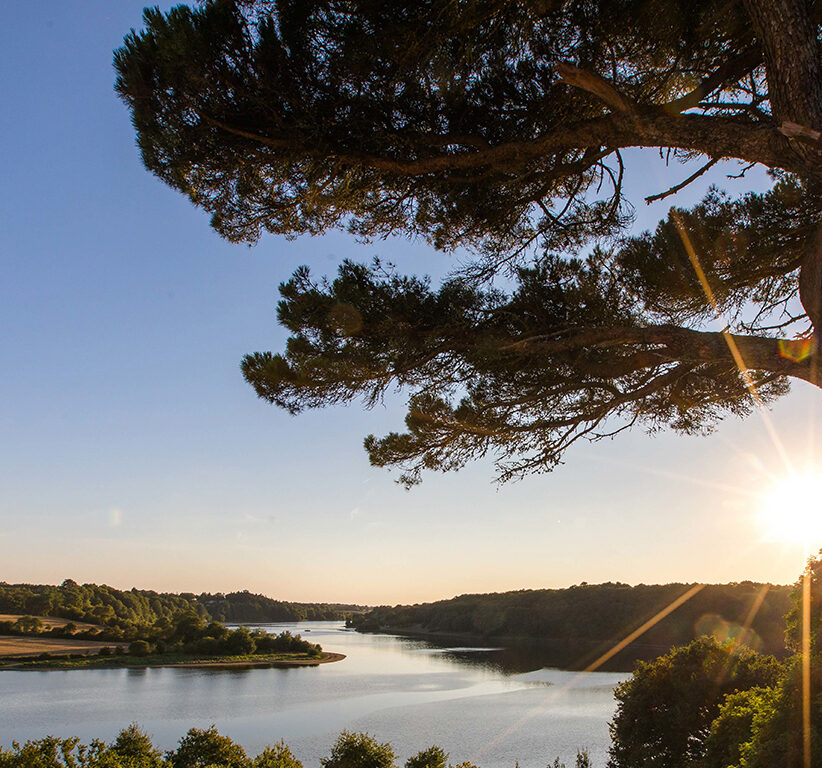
<point>20,645</point>
<point>51,621</point>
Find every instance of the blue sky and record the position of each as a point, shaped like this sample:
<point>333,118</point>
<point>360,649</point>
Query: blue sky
<point>134,454</point>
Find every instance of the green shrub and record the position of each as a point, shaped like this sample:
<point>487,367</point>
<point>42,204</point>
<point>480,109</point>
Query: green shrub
<point>201,748</point>
<point>359,750</point>
<point>139,648</point>
<point>278,756</point>
<point>433,757</point>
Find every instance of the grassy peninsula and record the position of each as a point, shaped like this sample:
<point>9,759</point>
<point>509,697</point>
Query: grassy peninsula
<point>194,661</point>
<point>30,642</point>
<point>89,625</point>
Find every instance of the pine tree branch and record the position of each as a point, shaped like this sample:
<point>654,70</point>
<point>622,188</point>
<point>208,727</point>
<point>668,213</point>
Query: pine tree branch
<point>673,190</point>
<point>730,71</point>
<point>713,136</point>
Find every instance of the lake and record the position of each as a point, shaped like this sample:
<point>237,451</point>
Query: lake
<point>476,703</point>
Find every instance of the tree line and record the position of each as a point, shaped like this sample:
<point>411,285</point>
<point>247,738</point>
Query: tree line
<point>187,634</point>
<point>600,614</point>
<point>200,748</point>
<point>127,614</point>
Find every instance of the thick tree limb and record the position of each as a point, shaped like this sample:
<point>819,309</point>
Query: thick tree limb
<point>713,136</point>
<point>796,131</point>
<point>597,85</point>
<point>677,344</point>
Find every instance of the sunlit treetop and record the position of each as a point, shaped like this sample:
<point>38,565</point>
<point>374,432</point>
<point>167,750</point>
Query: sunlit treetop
<point>498,126</point>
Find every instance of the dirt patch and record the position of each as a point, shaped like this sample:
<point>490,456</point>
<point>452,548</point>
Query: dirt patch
<point>34,646</point>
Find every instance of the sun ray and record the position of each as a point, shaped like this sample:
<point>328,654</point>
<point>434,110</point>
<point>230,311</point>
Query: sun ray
<point>734,349</point>
<point>806,667</point>
<point>592,667</point>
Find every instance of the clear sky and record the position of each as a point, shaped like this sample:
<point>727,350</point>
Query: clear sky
<point>134,454</point>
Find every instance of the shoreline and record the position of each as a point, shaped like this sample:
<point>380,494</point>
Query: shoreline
<point>270,661</point>
<point>326,658</point>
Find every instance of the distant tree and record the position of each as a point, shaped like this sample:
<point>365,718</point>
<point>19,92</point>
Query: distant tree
<point>240,642</point>
<point>202,748</point>
<point>40,604</point>
<point>135,748</point>
<point>139,648</point>
<point>499,126</point>
<point>188,627</point>
<point>217,630</point>
<point>49,752</point>
<point>29,624</point>
<point>278,756</point>
<point>359,750</point>
<point>665,710</point>
<point>582,760</point>
<point>433,757</point>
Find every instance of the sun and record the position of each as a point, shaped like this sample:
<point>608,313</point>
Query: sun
<point>791,512</point>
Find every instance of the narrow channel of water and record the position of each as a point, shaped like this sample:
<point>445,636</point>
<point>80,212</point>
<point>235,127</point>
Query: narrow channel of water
<point>475,703</point>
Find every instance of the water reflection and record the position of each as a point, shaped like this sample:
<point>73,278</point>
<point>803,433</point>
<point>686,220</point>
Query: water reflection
<point>525,657</point>
<point>497,705</point>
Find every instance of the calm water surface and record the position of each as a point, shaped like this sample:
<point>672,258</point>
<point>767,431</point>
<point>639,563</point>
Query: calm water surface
<point>477,704</point>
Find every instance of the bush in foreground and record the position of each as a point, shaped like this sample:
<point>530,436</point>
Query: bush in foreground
<point>206,748</point>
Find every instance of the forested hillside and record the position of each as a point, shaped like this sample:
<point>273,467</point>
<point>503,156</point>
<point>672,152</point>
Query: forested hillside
<point>596,613</point>
<point>246,606</point>
<point>101,604</point>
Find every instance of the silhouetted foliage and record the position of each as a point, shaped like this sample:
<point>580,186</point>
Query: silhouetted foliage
<point>497,127</point>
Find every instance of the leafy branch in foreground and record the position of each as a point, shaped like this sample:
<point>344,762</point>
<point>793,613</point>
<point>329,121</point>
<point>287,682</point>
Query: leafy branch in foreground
<point>499,127</point>
<point>576,348</point>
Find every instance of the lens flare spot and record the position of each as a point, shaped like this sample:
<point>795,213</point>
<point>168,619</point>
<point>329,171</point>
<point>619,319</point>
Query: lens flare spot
<point>795,349</point>
<point>791,512</point>
<point>714,625</point>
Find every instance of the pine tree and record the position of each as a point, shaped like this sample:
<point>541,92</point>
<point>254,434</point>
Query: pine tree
<point>498,127</point>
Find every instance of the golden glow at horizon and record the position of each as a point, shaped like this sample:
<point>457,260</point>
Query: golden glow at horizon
<point>791,512</point>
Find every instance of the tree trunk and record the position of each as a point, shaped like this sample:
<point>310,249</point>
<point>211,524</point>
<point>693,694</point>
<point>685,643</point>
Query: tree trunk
<point>792,59</point>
